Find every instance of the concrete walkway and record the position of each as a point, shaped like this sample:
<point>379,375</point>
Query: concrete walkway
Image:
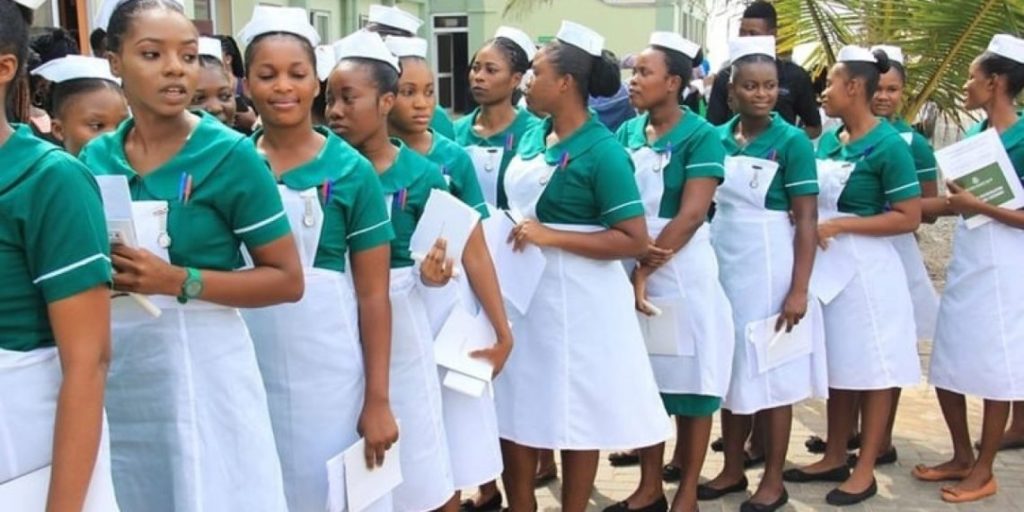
<point>920,437</point>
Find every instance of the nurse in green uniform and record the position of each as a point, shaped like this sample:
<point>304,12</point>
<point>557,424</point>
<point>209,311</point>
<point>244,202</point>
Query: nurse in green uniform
<point>471,423</point>
<point>868,192</point>
<point>579,380</point>
<point>324,360</point>
<point>679,164</point>
<point>85,99</point>
<point>54,305</point>
<point>491,133</point>
<point>765,261</point>
<point>392,21</point>
<point>979,339</point>
<point>190,428</point>
<point>361,93</point>
<point>214,93</point>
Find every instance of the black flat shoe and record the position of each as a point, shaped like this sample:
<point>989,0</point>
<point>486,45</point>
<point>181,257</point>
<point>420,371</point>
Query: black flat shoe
<point>546,478</point>
<point>661,505</point>
<point>752,462</point>
<point>718,445</point>
<point>491,505</point>
<point>889,457</point>
<point>797,475</point>
<point>623,459</point>
<point>671,473</point>
<point>839,498</point>
<point>748,506</point>
<point>706,492</point>
<point>816,444</point>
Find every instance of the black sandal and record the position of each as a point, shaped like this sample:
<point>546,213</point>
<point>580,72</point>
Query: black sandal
<point>671,473</point>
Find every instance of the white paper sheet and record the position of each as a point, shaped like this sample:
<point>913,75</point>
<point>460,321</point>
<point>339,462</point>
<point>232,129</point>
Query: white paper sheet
<point>461,334</point>
<point>117,207</point>
<point>518,272</point>
<point>353,487</point>
<point>28,493</point>
<point>775,348</point>
<point>444,216</point>
<point>834,268</point>
<point>464,384</point>
<point>980,165</point>
<point>668,333</point>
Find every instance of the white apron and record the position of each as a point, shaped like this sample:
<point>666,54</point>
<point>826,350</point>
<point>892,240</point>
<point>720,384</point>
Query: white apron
<point>754,246</point>
<point>691,278</point>
<point>979,341</point>
<point>870,336</point>
<point>487,163</point>
<point>578,378</point>
<point>189,424</point>
<point>416,401</point>
<point>922,291</point>
<point>311,360</point>
<point>28,408</point>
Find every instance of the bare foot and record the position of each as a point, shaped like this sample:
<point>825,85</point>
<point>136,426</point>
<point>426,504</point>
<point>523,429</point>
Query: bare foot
<point>977,479</point>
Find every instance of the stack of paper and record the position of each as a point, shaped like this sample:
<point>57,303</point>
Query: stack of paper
<point>444,216</point>
<point>117,206</point>
<point>28,493</point>
<point>981,166</point>
<point>353,487</point>
<point>519,273</point>
<point>462,334</point>
<point>775,348</point>
<point>667,332</point>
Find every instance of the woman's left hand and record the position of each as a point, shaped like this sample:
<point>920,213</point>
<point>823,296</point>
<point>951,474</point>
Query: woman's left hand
<point>530,232</point>
<point>140,271</point>
<point>826,232</point>
<point>961,200</point>
<point>496,354</point>
<point>793,310</point>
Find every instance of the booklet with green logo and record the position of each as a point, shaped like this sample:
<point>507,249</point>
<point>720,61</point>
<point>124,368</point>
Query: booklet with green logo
<point>981,166</point>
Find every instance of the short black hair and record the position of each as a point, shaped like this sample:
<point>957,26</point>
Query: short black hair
<point>761,10</point>
<point>594,75</point>
<point>994,64</point>
<point>230,48</point>
<point>388,30</point>
<point>307,47</point>
<point>124,14</point>
<point>681,65</point>
<point>54,43</point>
<point>62,92</point>
<point>98,42</point>
<point>515,56</point>
<point>870,72</point>
<point>383,75</point>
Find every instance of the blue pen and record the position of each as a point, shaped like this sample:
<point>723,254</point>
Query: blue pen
<point>181,186</point>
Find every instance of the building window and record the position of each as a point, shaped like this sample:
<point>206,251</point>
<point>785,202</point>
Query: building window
<point>321,21</point>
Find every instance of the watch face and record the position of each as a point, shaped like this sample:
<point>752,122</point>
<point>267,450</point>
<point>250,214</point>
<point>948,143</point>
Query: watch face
<point>193,289</point>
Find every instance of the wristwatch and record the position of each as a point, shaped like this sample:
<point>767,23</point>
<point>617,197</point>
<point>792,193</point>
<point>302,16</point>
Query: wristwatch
<point>192,288</point>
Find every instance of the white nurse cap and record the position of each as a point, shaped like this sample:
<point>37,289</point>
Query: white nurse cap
<point>406,46</point>
<point>1007,46</point>
<point>74,67</point>
<point>674,41</point>
<point>363,44</point>
<point>211,47</point>
<point>520,38</point>
<point>394,17</point>
<point>853,53</point>
<point>581,37</point>
<point>267,19</point>
<point>751,45</point>
<point>31,4</point>
<point>894,53</point>
<point>108,7</point>
<point>325,61</point>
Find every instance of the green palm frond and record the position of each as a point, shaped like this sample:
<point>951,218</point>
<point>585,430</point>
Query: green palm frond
<point>939,38</point>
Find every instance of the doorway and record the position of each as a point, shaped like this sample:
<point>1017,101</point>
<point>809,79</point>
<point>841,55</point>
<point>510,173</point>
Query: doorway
<point>451,61</point>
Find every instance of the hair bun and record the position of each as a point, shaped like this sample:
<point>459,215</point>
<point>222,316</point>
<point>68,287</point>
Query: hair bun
<point>605,79</point>
<point>882,61</point>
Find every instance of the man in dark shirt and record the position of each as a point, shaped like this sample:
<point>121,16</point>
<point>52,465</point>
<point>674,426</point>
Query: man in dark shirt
<point>796,93</point>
